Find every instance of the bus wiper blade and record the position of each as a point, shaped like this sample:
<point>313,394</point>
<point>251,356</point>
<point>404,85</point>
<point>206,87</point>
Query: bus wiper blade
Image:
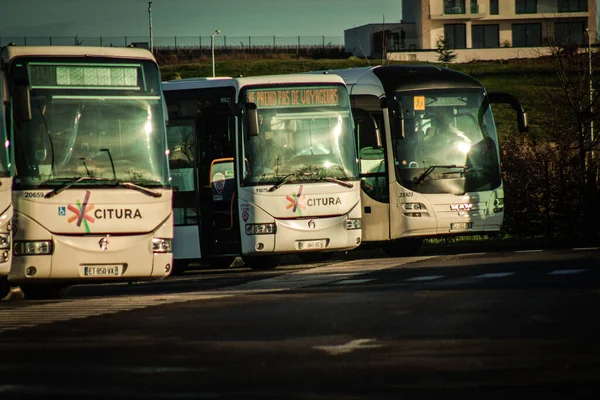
<point>67,185</point>
<point>430,169</point>
<point>339,182</point>
<point>278,184</point>
<point>142,189</point>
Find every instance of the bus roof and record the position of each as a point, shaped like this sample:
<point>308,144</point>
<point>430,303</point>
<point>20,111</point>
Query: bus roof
<point>377,80</point>
<point>76,51</point>
<point>238,83</point>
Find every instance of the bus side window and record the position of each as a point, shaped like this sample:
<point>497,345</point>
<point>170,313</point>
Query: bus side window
<point>371,156</point>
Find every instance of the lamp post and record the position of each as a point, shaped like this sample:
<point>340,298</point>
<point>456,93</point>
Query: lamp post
<point>150,24</point>
<point>591,88</point>
<point>212,47</point>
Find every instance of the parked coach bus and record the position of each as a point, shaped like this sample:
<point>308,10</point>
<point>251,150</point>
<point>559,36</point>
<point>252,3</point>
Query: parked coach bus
<point>262,167</point>
<point>91,193</point>
<point>6,211</point>
<point>428,152</point>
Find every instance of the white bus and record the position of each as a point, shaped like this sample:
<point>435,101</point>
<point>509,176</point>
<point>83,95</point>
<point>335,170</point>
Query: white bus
<point>91,191</point>
<point>6,211</point>
<point>428,151</point>
<point>261,167</point>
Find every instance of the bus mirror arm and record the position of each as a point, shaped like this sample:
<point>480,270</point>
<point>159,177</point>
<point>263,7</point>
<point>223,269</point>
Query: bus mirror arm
<point>252,119</point>
<point>506,98</point>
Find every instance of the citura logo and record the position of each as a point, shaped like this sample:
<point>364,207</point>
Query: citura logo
<point>80,213</point>
<point>296,201</point>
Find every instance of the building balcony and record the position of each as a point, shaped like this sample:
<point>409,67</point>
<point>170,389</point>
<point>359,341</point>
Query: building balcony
<point>467,11</point>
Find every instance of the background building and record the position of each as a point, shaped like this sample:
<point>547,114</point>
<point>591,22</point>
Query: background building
<point>488,29</point>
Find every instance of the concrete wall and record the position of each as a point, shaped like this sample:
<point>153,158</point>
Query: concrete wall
<point>468,55</point>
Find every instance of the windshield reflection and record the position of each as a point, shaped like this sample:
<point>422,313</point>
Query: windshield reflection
<point>450,142</point>
<point>301,145</point>
<point>71,136</point>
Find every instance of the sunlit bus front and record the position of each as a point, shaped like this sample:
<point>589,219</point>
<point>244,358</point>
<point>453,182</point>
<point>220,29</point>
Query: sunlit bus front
<point>6,210</point>
<point>92,193</point>
<point>300,188</point>
<point>447,163</point>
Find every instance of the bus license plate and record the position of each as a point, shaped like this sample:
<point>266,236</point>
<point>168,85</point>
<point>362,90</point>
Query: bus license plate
<point>311,244</point>
<point>102,270</point>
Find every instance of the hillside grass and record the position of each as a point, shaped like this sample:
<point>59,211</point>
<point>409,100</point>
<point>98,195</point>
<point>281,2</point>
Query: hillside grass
<point>516,77</point>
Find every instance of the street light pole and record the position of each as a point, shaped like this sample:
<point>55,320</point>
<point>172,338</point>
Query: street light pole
<point>591,88</point>
<point>212,47</point>
<point>150,25</point>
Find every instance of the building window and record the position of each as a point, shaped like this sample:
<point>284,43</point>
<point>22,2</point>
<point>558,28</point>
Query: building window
<point>493,7</point>
<point>572,5</point>
<point>474,7</point>
<point>454,7</point>
<point>456,35</point>
<point>485,36</point>
<point>526,6</point>
<point>570,33</point>
<point>526,35</point>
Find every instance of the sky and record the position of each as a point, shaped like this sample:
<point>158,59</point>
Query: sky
<point>286,18</point>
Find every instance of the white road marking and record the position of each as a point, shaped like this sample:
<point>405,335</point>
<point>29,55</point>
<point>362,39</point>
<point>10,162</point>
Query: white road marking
<point>566,271</point>
<point>350,346</point>
<point>529,251</point>
<point>494,275</point>
<point>352,281</point>
<point>473,254</point>
<point>424,278</point>
<point>585,248</point>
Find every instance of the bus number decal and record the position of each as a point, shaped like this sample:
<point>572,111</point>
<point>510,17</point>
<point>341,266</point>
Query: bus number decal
<point>406,194</point>
<point>33,195</point>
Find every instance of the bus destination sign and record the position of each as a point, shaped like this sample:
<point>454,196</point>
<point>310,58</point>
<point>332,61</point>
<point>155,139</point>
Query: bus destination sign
<point>294,97</point>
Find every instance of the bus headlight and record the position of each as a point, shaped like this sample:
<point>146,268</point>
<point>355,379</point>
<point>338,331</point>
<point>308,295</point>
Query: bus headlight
<point>4,241</point>
<point>31,248</point>
<point>352,223</point>
<point>499,205</point>
<point>160,245</point>
<point>413,209</point>
<point>260,229</point>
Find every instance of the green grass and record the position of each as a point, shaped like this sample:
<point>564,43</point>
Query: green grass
<point>514,77</point>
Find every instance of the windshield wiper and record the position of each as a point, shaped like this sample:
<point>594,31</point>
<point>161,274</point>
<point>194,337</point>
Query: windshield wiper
<point>129,185</point>
<point>339,182</point>
<point>67,185</point>
<point>280,182</point>
<point>430,169</point>
<point>142,189</point>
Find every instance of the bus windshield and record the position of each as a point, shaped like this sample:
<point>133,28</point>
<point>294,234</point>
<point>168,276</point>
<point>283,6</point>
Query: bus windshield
<point>450,144</point>
<point>308,138</point>
<point>109,132</point>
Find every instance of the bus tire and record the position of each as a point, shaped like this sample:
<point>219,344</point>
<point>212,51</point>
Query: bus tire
<point>4,287</point>
<point>316,256</point>
<point>45,291</point>
<point>221,262</point>
<point>262,263</point>
<point>403,247</point>
<point>179,267</point>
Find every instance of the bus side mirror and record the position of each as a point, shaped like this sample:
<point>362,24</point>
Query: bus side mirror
<point>395,115</point>
<point>252,119</point>
<point>21,95</point>
<point>21,103</point>
<point>505,98</point>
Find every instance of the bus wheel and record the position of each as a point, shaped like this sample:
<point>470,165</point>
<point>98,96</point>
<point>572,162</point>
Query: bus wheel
<point>45,292</point>
<point>221,262</point>
<point>403,247</point>
<point>315,256</point>
<point>179,267</point>
<point>262,263</point>
<point>4,287</point>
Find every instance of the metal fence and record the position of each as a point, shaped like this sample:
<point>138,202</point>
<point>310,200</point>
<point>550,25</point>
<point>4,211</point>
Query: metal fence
<point>220,41</point>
